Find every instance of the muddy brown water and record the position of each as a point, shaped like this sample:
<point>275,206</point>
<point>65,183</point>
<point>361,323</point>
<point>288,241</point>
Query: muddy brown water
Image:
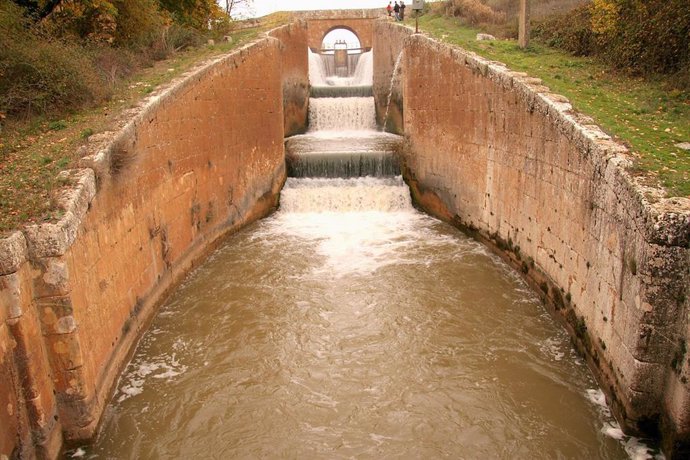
<point>350,325</point>
<point>342,327</point>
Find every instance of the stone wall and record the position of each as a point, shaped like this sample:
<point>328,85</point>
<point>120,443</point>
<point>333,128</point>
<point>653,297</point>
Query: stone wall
<point>193,163</point>
<point>360,22</point>
<point>388,69</point>
<point>28,408</point>
<point>295,62</point>
<point>496,153</point>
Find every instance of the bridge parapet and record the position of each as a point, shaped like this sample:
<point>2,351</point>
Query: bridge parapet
<point>359,22</point>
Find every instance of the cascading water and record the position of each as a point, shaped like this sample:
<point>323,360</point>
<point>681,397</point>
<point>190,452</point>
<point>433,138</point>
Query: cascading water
<point>343,140</point>
<point>395,77</point>
<point>325,84</point>
<point>342,113</point>
<point>317,69</point>
<point>345,195</point>
<point>350,325</point>
<point>362,75</point>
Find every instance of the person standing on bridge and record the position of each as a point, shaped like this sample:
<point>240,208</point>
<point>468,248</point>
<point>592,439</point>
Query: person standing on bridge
<point>402,10</point>
<point>389,8</point>
<point>396,8</point>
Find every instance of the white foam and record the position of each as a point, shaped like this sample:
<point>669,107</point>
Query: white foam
<point>78,453</point>
<point>634,447</point>
<point>164,367</point>
<point>637,450</point>
<point>321,196</point>
<point>342,113</point>
<point>596,396</point>
<point>551,347</point>
<point>362,75</point>
<point>358,226</point>
<point>317,70</point>
<point>613,430</point>
<point>131,390</point>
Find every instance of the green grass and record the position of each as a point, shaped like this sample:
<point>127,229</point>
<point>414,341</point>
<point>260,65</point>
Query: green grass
<point>641,113</point>
<point>34,151</point>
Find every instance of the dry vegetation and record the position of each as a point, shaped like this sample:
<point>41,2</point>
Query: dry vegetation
<point>499,17</point>
<point>61,86</point>
<point>638,94</point>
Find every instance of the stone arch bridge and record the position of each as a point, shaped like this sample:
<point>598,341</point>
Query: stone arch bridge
<point>359,22</point>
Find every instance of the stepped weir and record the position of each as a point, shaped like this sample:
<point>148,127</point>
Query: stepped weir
<point>343,140</point>
<point>350,324</point>
<point>280,293</point>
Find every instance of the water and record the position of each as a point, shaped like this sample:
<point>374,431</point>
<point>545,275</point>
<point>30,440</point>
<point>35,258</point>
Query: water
<point>343,139</point>
<point>355,328</point>
<point>322,73</point>
<point>318,73</point>
<point>343,113</point>
<point>350,325</point>
<point>395,76</point>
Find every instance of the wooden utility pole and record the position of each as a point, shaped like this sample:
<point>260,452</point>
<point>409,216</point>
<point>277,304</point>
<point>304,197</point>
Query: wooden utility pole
<point>523,34</point>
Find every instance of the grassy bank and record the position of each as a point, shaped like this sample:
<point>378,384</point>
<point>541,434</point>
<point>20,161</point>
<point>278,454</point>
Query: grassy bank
<point>33,151</point>
<point>641,113</point>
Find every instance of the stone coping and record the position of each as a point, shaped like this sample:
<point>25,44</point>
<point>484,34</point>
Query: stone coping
<point>52,239</point>
<point>364,13</point>
<point>666,220</point>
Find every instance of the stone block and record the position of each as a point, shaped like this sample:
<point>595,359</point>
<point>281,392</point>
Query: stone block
<point>80,417</point>
<point>9,402</point>
<point>76,198</point>
<point>72,384</point>
<point>485,37</point>
<point>13,253</point>
<point>57,315</point>
<point>65,351</point>
<point>11,296</point>
<point>52,278</point>
<point>52,239</point>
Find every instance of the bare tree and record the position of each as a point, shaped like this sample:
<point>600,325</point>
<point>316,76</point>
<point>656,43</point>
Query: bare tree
<point>238,6</point>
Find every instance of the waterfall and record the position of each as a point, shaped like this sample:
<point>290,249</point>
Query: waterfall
<point>317,69</point>
<point>348,164</point>
<point>343,164</point>
<point>322,73</point>
<point>342,113</point>
<point>345,195</point>
<point>364,73</point>
<point>395,76</point>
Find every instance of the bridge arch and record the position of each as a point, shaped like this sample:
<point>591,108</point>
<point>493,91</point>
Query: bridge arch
<point>349,29</point>
<point>361,27</point>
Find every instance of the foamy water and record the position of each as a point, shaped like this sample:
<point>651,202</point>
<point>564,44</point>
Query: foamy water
<point>342,114</point>
<point>363,333</point>
<point>362,74</point>
<point>350,325</point>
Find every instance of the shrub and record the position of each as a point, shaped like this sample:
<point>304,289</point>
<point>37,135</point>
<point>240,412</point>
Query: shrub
<point>172,39</point>
<point>94,20</point>
<point>474,12</point>
<point>643,36</point>
<point>139,23</point>
<point>114,64</point>
<point>571,32</point>
<point>196,14</point>
<point>37,75</point>
<point>640,37</point>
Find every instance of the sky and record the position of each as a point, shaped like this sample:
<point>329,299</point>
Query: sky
<point>264,7</point>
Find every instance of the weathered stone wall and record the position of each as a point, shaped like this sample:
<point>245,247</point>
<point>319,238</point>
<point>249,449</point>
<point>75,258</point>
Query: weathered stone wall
<point>295,62</point>
<point>28,407</point>
<point>196,161</point>
<point>494,152</point>
<point>360,22</point>
<point>388,69</point>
